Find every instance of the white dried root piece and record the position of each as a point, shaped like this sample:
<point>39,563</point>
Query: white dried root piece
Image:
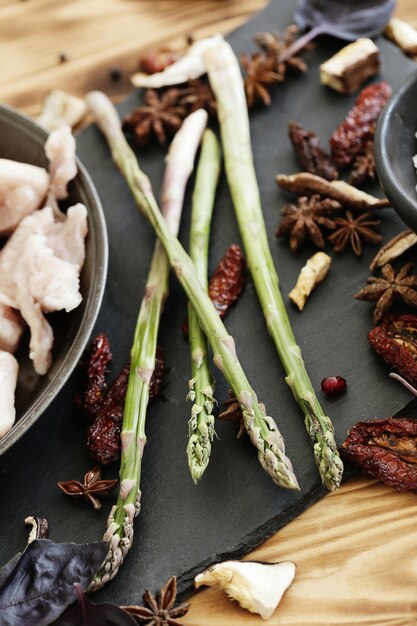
<point>8,379</point>
<point>349,68</point>
<point>394,248</point>
<point>304,183</point>
<point>311,275</point>
<point>402,34</point>
<point>189,66</point>
<point>61,109</point>
<point>258,587</point>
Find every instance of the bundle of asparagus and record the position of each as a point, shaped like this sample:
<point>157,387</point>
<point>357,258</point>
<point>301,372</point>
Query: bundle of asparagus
<point>226,81</point>
<point>262,429</point>
<point>201,424</point>
<point>179,165</point>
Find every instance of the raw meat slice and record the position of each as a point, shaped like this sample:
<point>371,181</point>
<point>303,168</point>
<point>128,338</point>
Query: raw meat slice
<point>11,328</point>
<point>67,238</point>
<point>23,187</point>
<point>8,379</point>
<point>60,150</point>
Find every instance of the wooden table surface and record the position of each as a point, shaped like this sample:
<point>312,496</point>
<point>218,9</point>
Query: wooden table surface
<point>355,549</point>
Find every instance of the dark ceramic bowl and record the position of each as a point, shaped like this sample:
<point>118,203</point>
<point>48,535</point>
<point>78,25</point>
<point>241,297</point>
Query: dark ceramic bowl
<point>395,146</point>
<point>22,140</point>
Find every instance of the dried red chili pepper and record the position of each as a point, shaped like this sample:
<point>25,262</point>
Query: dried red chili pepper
<point>359,126</point>
<point>94,366</point>
<point>309,152</point>
<point>103,435</point>
<point>386,449</point>
<point>226,284</point>
<point>395,340</point>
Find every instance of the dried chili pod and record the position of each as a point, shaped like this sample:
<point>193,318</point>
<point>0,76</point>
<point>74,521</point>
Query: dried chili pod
<point>309,152</point>
<point>227,282</point>
<point>94,367</point>
<point>103,435</point>
<point>359,126</point>
<point>395,340</point>
<point>386,449</point>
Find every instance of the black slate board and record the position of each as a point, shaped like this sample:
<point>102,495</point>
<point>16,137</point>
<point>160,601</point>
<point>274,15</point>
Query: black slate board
<point>236,506</point>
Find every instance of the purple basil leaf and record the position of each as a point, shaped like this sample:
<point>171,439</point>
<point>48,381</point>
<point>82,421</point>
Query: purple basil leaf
<point>346,19</point>
<point>38,586</point>
<point>9,567</point>
<point>86,613</point>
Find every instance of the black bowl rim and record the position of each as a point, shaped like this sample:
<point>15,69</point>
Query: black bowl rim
<point>401,199</point>
<point>93,299</point>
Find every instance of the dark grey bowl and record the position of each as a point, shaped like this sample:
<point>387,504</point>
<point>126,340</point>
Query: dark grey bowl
<point>22,140</point>
<point>395,146</point>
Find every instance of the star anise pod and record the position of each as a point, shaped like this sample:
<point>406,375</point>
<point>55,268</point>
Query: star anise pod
<point>305,219</point>
<point>274,46</point>
<point>354,230</point>
<point>363,166</point>
<point>160,116</point>
<point>160,610</point>
<point>198,95</point>
<point>388,288</point>
<point>259,73</point>
<point>91,489</point>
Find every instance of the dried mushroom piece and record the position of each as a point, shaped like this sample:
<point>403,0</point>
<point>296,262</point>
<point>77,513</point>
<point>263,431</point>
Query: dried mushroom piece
<point>312,274</point>
<point>390,287</point>
<point>310,154</point>
<point>402,34</point>
<point>386,449</point>
<point>353,231</point>
<point>258,587</point>
<point>61,109</point>
<point>394,248</point>
<point>305,220</point>
<point>40,527</point>
<point>305,183</point>
<point>351,66</point>
<point>395,340</point>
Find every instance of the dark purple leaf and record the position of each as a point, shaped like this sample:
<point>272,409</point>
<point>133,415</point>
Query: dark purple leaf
<point>37,587</point>
<point>346,19</point>
<point>86,613</point>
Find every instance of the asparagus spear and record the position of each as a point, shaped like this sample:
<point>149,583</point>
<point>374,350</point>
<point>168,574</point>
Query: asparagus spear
<point>179,165</point>
<point>226,81</point>
<point>201,424</point>
<point>262,429</point>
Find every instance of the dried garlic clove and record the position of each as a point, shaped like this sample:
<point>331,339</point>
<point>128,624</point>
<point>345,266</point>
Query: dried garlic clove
<point>393,249</point>
<point>40,527</point>
<point>402,34</point>
<point>61,109</point>
<point>189,66</point>
<point>305,183</point>
<point>311,275</point>
<point>349,68</point>
<point>258,587</point>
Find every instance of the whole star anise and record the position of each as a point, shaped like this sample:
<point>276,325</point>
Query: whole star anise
<point>274,46</point>
<point>198,95</point>
<point>363,166</point>
<point>390,287</point>
<point>159,610</point>
<point>160,117</point>
<point>305,218</point>
<point>91,489</point>
<point>354,230</point>
<point>259,73</point>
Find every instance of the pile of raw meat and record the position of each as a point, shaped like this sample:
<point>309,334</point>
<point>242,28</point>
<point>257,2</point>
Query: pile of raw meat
<point>40,262</point>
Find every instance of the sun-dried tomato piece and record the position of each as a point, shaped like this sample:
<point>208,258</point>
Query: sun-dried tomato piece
<point>94,367</point>
<point>395,340</point>
<point>309,152</point>
<point>359,126</point>
<point>227,282</point>
<point>386,449</point>
<point>103,435</point>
